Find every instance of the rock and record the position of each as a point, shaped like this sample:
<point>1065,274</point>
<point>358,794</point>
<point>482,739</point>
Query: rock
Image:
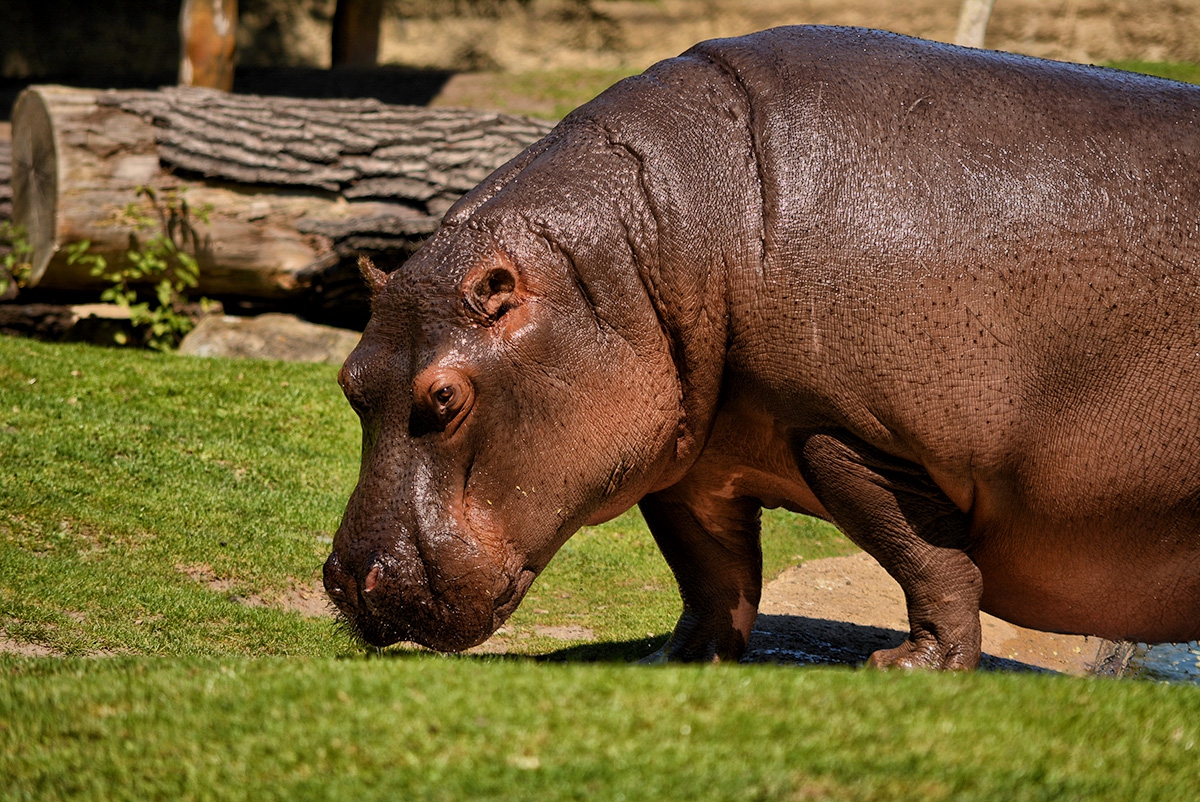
<point>271,336</point>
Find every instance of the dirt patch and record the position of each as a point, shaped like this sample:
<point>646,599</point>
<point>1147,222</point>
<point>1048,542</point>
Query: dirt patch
<point>499,643</point>
<point>10,646</point>
<point>204,574</point>
<point>564,632</point>
<point>307,599</point>
<point>310,600</point>
<point>839,610</point>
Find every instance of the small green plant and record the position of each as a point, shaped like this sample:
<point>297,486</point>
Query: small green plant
<point>15,268</point>
<point>163,240</point>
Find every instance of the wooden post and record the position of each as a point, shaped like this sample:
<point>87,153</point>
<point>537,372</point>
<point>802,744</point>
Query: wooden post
<point>355,37</point>
<point>208,38</point>
<point>972,22</point>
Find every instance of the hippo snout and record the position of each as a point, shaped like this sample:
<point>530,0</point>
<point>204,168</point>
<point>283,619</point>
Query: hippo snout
<point>448,607</point>
<point>338,584</point>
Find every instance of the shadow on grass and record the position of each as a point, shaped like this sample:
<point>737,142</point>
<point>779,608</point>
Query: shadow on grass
<point>798,640</point>
<point>627,651</point>
<point>777,639</point>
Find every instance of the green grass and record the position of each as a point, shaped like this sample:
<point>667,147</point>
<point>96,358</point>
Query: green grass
<point>460,729</point>
<point>144,498</point>
<point>548,94</point>
<point>1175,70</point>
<point>147,497</point>
<point>132,480</point>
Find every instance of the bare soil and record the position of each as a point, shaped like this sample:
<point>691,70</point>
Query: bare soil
<point>839,610</point>
<point>10,646</point>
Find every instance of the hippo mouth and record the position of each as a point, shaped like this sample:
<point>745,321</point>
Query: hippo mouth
<point>457,618</point>
<point>508,601</point>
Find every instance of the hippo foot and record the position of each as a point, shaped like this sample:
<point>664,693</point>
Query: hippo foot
<point>701,640</point>
<point>928,653</point>
<point>673,652</point>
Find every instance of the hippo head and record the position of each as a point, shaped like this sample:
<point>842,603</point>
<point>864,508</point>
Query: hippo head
<point>514,383</point>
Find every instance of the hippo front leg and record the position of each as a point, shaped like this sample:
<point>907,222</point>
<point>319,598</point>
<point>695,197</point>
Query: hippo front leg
<point>712,546</point>
<point>898,515</point>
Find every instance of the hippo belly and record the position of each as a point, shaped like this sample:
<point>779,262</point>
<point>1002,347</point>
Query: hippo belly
<point>1089,564</point>
<point>1131,589</point>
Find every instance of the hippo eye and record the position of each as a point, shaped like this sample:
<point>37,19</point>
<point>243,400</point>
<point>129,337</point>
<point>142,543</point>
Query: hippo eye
<point>444,399</point>
<point>446,402</point>
<point>438,402</point>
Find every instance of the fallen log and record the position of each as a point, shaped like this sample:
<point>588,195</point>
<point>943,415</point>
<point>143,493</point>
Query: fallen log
<point>295,187</point>
<point>76,322</point>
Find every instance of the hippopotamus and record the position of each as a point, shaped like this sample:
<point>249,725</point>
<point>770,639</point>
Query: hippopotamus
<point>944,298</point>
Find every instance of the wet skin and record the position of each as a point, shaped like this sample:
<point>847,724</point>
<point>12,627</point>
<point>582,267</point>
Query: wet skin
<point>943,298</point>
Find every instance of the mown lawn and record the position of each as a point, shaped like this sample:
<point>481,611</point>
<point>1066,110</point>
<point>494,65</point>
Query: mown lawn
<point>163,505</point>
<point>1175,70</point>
<point>159,512</point>
<point>431,728</point>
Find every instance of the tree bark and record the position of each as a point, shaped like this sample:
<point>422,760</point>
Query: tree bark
<point>295,186</point>
<point>355,38</point>
<point>208,39</point>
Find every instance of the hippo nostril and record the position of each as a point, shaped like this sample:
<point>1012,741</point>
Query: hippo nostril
<point>371,580</point>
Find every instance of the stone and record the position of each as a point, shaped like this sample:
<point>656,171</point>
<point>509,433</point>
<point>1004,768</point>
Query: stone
<point>277,336</point>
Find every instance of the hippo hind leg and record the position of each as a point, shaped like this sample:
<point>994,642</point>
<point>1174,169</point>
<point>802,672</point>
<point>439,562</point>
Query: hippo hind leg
<point>712,545</point>
<point>895,512</point>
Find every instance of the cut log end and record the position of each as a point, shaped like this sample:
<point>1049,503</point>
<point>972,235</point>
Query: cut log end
<point>35,178</point>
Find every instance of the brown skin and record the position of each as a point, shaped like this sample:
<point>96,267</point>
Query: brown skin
<point>943,298</point>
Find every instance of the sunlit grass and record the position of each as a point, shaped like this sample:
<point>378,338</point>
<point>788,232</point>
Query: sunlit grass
<point>164,505</point>
<point>423,727</point>
<point>1175,70</point>
<point>156,511</point>
<point>549,94</point>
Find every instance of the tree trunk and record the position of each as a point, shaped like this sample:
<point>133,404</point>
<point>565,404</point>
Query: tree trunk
<point>295,186</point>
<point>355,38</point>
<point>972,22</point>
<point>208,38</point>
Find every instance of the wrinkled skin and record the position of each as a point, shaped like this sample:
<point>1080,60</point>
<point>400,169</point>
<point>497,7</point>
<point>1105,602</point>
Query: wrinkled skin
<point>943,298</point>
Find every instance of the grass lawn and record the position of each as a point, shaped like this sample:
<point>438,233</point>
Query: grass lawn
<point>160,514</point>
<point>548,94</point>
<point>163,505</point>
<point>430,728</point>
<point>1175,70</point>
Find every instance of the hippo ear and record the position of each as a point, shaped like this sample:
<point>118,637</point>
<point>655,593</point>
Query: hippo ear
<point>489,291</point>
<point>371,274</point>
